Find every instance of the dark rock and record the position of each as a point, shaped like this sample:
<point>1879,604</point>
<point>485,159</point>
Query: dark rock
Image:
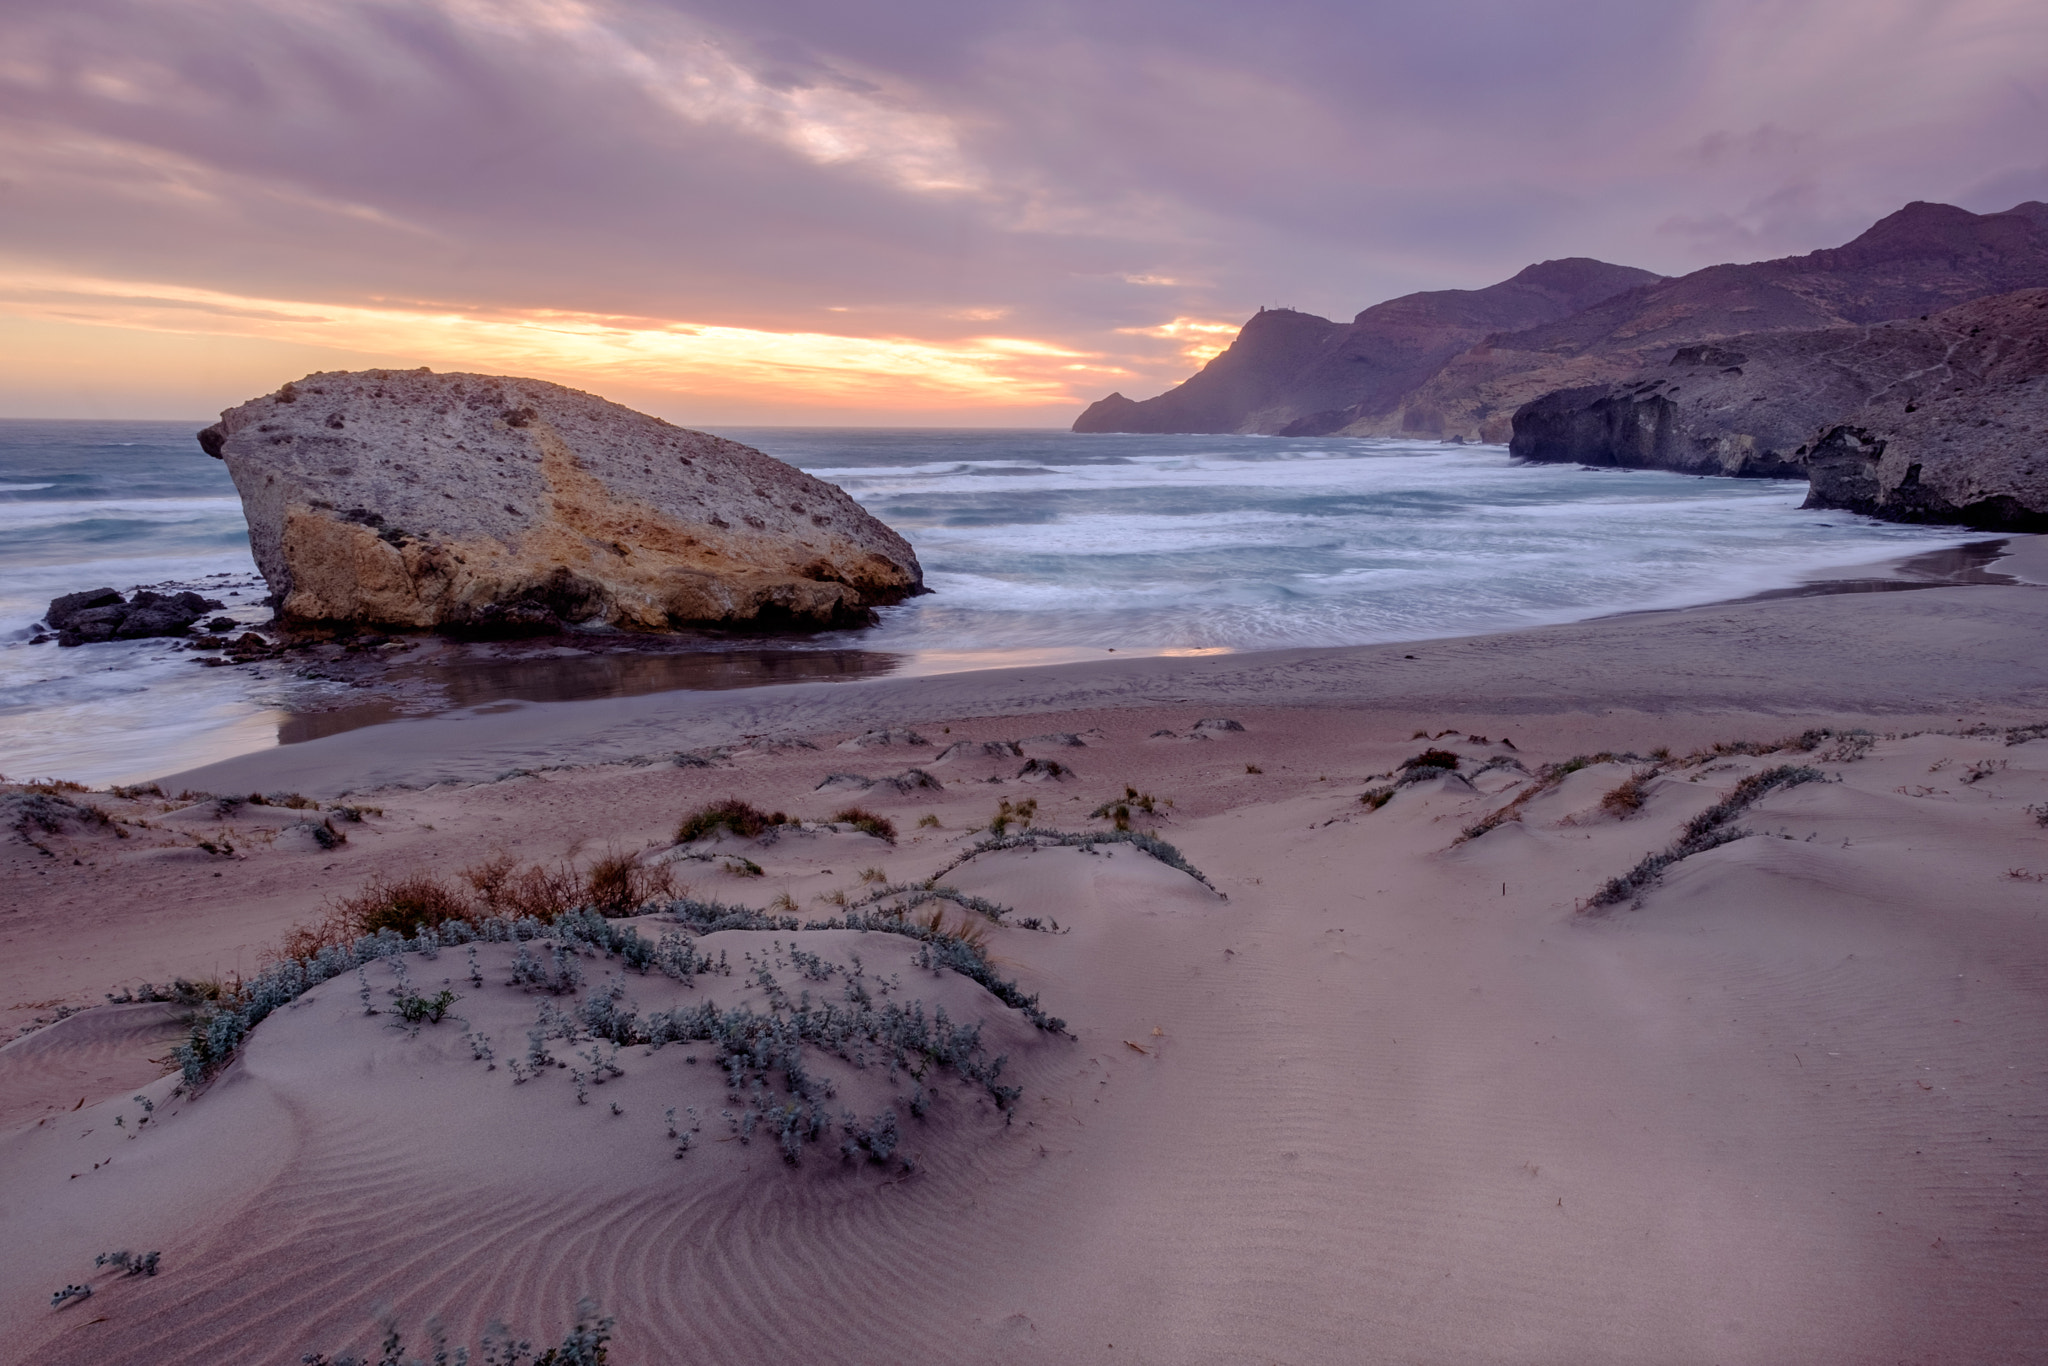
<point>222,624</point>
<point>1942,419</point>
<point>145,615</point>
<point>1964,442</point>
<point>159,614</point>
<point>1630,427</point>
<point>63,609</point>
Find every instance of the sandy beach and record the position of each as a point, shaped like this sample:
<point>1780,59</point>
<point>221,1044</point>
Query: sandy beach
<point>1371,1087</point>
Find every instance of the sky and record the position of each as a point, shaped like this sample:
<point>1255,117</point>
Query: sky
<point>919,212</point>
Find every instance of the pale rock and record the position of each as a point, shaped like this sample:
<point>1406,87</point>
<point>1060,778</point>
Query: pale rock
<point>481,503</point>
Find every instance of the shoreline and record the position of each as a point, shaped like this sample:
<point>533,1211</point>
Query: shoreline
<point>1372,1037</point>
<point>1733,657</point>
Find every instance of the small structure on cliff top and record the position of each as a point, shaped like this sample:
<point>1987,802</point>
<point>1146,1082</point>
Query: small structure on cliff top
<point>498,506</point>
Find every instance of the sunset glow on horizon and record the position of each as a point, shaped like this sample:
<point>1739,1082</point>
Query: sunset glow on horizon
<point>930,214</point>
<point>591,351</point>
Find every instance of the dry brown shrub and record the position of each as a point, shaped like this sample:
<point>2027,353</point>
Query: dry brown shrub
<point>404,904</point>
<point>1626,800</point>
<point>618,884</point>
<point>968,931</point>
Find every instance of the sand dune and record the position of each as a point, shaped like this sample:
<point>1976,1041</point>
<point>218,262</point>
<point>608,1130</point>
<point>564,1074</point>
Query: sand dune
<point>1376,1090</point>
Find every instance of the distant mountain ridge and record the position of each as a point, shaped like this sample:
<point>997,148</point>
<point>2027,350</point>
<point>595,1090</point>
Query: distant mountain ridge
<point>1300,374</point>
<point>1456,364</point>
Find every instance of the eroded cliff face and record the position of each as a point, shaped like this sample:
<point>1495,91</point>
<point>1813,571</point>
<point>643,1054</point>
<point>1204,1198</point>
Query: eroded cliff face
<point>496,505</point>
<point>1940,419</point>
<point>1964,441</point>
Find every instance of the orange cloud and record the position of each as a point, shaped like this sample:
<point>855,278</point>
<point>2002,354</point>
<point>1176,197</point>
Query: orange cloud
<point>1204,338</point>
<point>595,351</point>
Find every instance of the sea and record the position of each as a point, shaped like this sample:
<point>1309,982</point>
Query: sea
<point>1040,546</point>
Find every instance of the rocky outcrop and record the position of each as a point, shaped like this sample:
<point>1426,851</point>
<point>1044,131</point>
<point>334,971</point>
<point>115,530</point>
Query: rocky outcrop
<point>1964,442</point>
<point>491,505</point>
<point>1746,406</point>
<point>100,614</point>
<point>1297,374</point>
<point>1938,419</point>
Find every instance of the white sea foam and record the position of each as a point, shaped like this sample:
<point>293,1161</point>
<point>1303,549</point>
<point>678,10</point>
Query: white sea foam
<point>1040,546</point>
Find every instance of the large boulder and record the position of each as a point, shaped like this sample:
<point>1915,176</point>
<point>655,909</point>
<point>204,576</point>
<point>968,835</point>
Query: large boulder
<point>494,505</point>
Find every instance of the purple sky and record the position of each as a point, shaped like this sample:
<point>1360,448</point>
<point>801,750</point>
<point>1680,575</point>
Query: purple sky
<point>917,210</point>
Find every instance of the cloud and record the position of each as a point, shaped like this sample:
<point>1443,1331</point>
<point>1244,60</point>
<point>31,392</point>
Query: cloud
<point>904,173</point>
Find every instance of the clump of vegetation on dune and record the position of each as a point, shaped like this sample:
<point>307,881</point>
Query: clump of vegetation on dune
<point>1628,799</point>
<point>1431,763</point>
<point>1119,811</point>
<point>741,818</point>
<point>1710,829</point>
<point>1034,837</point>
<point>615,884</point>
<point>1825,744</point>
<point>587,1344</point>
<point>868,822</point>
<point>317,955</point>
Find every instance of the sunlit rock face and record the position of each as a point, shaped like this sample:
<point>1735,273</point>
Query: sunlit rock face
<point>494,505</point>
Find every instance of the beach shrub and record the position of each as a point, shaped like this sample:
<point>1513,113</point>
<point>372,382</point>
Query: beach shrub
<point>1547,777</point>
<point>585,1345</point>
<point>181,991</point>
<point>416,1009</point>
<point>502,887</point>
<point>928,821</point>
<point>129,1263</point>
<point>1019,813</point>
<point>402,904</point>
<point>750,1044</point>
<point>1628,799</point>
<point>869,822</point>
<point>741,818</point>
<point>1431,758</point>
<point>1373,798</point>
<point>1035,838</point>
<point>618,884</point>
<point>41,806</point>
<point>1117,810</point>
<point>1709,830</point>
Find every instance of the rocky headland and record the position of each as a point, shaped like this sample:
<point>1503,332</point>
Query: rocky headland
<point>490,505</point>
<point>1935,419</point>
<point>1296,374</point>
<point>1458,364</point>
